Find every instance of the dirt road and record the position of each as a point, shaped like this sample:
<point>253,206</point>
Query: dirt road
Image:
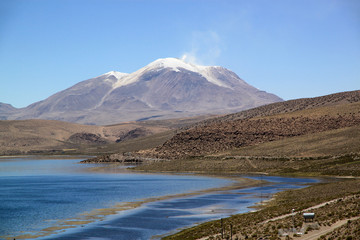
<point>315,234</point>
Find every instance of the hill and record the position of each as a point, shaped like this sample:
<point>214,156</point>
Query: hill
<point>310,142</point>
<point>265,124</point>
<point>292,106</point>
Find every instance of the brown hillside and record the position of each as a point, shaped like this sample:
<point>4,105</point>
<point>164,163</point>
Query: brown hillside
<point>291,106</point>
<point>252,127</point>
<point>328,143</point>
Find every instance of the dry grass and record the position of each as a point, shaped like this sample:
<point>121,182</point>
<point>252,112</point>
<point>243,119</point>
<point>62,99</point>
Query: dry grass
<point>343,165</point>
<point>333,111</point>
<point>334,142</point>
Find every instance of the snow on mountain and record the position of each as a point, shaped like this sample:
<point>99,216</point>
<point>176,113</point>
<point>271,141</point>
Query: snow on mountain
<point>173,64</point>
<point>117,75</point>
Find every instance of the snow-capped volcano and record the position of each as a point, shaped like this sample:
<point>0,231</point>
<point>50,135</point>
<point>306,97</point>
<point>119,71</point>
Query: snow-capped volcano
<point>177,65</point>
<point>165,88</point>
<point>173,64</point>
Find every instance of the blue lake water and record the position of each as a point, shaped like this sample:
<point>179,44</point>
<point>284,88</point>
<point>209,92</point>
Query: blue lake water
<point>34,194</point>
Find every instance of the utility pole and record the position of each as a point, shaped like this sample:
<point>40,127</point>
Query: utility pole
<point>293,219</point>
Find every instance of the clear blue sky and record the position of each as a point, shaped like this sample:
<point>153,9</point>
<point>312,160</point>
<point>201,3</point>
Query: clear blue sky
<point>293,48</point>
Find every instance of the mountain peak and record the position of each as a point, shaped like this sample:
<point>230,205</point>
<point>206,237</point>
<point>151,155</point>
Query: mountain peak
<point>175,64</point>
<point>117,75</point>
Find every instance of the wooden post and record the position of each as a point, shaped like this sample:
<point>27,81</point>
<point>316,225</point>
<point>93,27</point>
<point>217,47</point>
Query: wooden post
<point>230,231</point>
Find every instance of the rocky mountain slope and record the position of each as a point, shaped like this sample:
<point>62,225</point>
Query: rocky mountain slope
<point>6,110</point>
<point>264,124</point>
<point>166,88</point>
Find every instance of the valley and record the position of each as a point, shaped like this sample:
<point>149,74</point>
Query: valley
<point>316,137</point>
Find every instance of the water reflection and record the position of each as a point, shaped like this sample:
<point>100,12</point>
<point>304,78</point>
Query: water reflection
<point>34,194</point>
<point>158,218</point>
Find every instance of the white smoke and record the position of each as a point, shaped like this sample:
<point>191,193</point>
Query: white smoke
<point>190,58</point>
<point>205,48</point>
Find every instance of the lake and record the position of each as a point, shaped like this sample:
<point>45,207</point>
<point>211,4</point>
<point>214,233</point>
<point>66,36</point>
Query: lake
<point>57,197</point>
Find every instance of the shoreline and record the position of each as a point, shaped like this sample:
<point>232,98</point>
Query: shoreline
<point>45,157</point>
<point>96,215</point>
